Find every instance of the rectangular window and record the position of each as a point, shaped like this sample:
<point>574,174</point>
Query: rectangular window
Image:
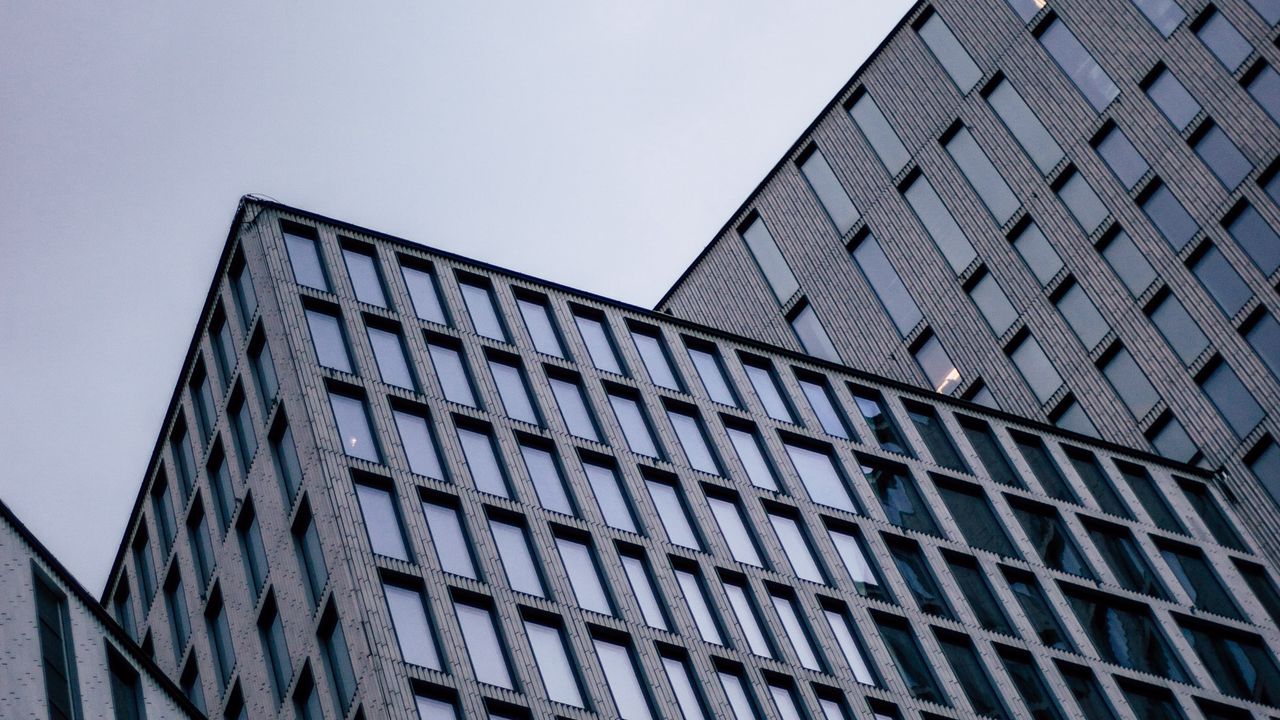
<point>306,702</point>
<point>264,371</point>
<point>887,284</point>
<point>57,650</point>
<point>762,377</point>
<point>1223,39</point>
<point>412,626</point>
<point>482,461</point>
<point>289,469</point>
<point>183,460</point>
<point>938,368</point>
<point>453,547</point>
<point>909,658</point>
<point>682,685</point>
<point>1263,335</point>
<point>306,541</point>
<point>175,602</point>
<point>1040,257</point>
<point>242,430</point>
<point>1171,440</point>
<point>915,571</point>
<point>423,293</point>
<point>631,416</point>
<point>1044,467</point>
<point>191,686</point>
<point>653,353</point>
<point>1035,606</point>
<point>1256,237</point>
<point>879,133</point>
<point>554,663</point>
<point>1130,383</point>
<point>542,329</point>
<point>418,443</point>
<point>224,655</point>
<point>126,688</point>
<point>224,347</point>
<point>1179,329</point>
<point>304,257</point>
<point>1041,376</point>
<point>1221,280</point>
<point>1262,586</point>
<point>1222,156</point>
<point>797,631</point>
<point>246,298</point>
<point>1165,15</point>
<point>972,674</point>
<point>623,680</point>
<point>671,511</point>
<point>513,389</point>
<point>1121,156</point>
<point>253,551</point>
<point>329,340</point>
<point>201,546</point>
<point>1210,513</point>
<point>435,708</point>
<point>811,334</point>
<point>613,504</point>
<point>950,53</point>
<point>1081,200</point>
<point>1083,316</point>
<point>1196,576</point>
<point>796,546</point>
<point>202,400</point>
<point>382,522</point>
<point>366,279</point>
<point>827,188</point>
<point>1126,560</point>
<point>274,649</point>
<point>693,440</point>
<point>224,494</point>
<point>451,371</point>
<point>866,578</point>
<point>746,443</point>
<point>850,646</point>
<point>978,522</point>
<point>1239,663</point>
<point>940,224</point>
<point>1050,538</point>
<point>1025,126</point>
<point>1031,686</point>
<point>871,405</point>
<point>818,393</point>
<point>735,690</point>
<point>1263,85</point>
<point>144,567</point>
<point>770,259</point>
<point>695,597</point>
<point>1151,498</point>
<point>982,175</point>
<point>584,575</point>
<point>638,577</point>
<point>1234,401</point>
<point>391,355</point>
<point>1129,263</point>
<point>1078,65</point>
<point>478,297</point>
<point>1124,633</point>
<point>544,473</point>
<point>1073,417</point>
<point>1172,98</point>
<point>352,418</point>
<point>337,661</point>
<point>899,498</point>
<point>993,303</point>
<point>573,408</point>
<point>817,470</point>
<point>972,579</point>
<point>711,373</point>
<point>517,559</point>
<point>748,616</point>
<point>599,341</point>
<point>936,436</point>
<point>733,529</point>
<point>162,511</point>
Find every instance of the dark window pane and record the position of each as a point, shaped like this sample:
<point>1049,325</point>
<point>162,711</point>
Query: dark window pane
<point>1120,155</point>
<point>1265,465</point>
<point>1211,514</point>
<point>883,427</point>
<point>770,259</point>
<point>880,134</point>
<point>1048,535</point>
<point>1263,588</point>
<point>830,193</point>
<point>1222,156</point>
<point>1126,635</point>
<point>915,571</point>
<point>1223,40</point>
<point>1044,467</point>
<point>1129,264</point>
<point>1149,702</point>
<point>1234,401</point>
<point>1239,663</point>
<point>1030,684</point>
<point>902,504</point>
<point>909,659</point>
<point>1173,100</point>
<point>1179,329</point>
<point>1098,482</point>
<point>1089,77</point>
<point>972,674</point>
<point>936,436</point>
<point>1044,622</point>
<point>990,451</point>
<point>886,283</point>
<point>1088,694</point>
<point>1126,560</point>
<point>987,608</point>
<point>1198,579</point>
<point>1257,238</point>
<point>1151,498</point>
<point>1024,125</point>
<point>979,524</point>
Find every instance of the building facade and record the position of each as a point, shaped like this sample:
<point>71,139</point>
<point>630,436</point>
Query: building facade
<point>396,483</point>
<point>1064,209</point>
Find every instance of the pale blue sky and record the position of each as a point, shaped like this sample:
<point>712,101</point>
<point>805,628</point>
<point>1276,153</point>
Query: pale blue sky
<point>596,144</point>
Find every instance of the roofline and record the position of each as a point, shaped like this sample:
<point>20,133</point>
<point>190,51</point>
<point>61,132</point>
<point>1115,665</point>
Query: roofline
<point>99,612</point>
<point>795,146</point>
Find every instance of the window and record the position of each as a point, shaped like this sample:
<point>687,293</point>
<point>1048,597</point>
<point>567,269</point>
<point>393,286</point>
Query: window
<point>909,659</point>
<point>795,544</point>
<point>820,477</point>
<point>935,435</point>
<point>1044,467</point>
<point>202,400</point>
<point>695,597</point>
<point>797,631</point>
<point>1171,440</point>
<point>1169,216</point>
<point>453,547</point>
<point>1152,500</point>
<point>682,684</point>
<point>1035,606</point>
<point>1126,634</point>
<point>1238,662</point>
<point>879,133</point>
<point>1165,15</point>
<point>850,647</point>
<point>827,188</point>
<point>144,566</point>
<point>784,699</point>
<point>642,587</point>
<point>191,686</point>
<point>1211,514</point>
<point>1081,200</point>
<point>584,575</point>
<point>1051,540</point>
<point>224,655</point>
<point>1267,10</point>
<point>898,496</point>
<point>672,513</point>
<point>596,336</point>
<point>482,461</point>
<point>1256,237</point>
<point>573,408</point>
<point>1149,700</point>
<point>201,546</point>
<point>744,609</point>
<point>57,650</point>
<point>183,460</point>
<point>769,258</point>
<point>1129,567</point>
<point>253,551</point>
<point>1036,369</point>
<point>752,456</point>
<point>1221,155</point>
<point>412,627</point>
<point>635,425</point>
<point>874,410</point>
<point>352,418</point>
<point>765,382</point>
<point>733,529</point>
<point>554,664</point>
<point>982,175</point>
<point>1025,126</point>
<point>544,472</point>
<point>1263,85</point>
<point>480,306</point>
<point>1071,416</point>
<point>1196,576</point>
<point>1172,98</point>
<point>435,709</point>
<point>693,440</point>
<point>389,352</point>
<point>175,602</point>
<point>1223,39</point>
<point>1083,316</point>
<point>1030,684</point>
<point>1262,586</point>
<point>242,288</point>
<point>306,540</point>
<point>224,494</point>
<point>1263,335</point>
<point>1037,253</point>
<point>242,431</point>
<point>306,702</point>
<point>337,660</point>
<point>329,340</point>
<point>224,347</point>
<point>517,559</point>
<point>162,511</point>
<point>994,304</point>
<point>887,284</point>
<point>451,371</point>
<point>424,295</point>
<point>1088,694</point>
<point>949,52</point>
<point>972,579</point>
<point>264,371</point>
<point>653,353</point>
<point>1221,280</point>
<point>274,649</point>
<point>972,512</point>
<point>971,673</point>
<point>865,576</point>
<point>126,687</point>
<point>1264,463</point>
<point>812,335</point>
<point>1078,65</point>
<point>625,685</point>
<point>514,391</point>
<point>710,371</point>
<point>382,522</point>
<point>915,571</point>
<point>609,497</point>
<point>542,329</point>
<point>990,451</point>
<point>1234,401</point>
<point>937,366</point>
<point>1130,383</point>
<point>366,280</point>
<point>418,444</point>
<point>1129,263</point>
<point>1121,156</point>
<point>739,699</point>
<point>940,224</point>
<point>304,257</point>
<point>1179,329</point>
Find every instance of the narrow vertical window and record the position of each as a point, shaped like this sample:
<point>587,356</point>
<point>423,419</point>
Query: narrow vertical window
<point>1121,156</point>
<point>972,579</point>
<point>548,483</point>
<point>224,346</point>
<point>668,501</point>
<point>1036,369</point>
<point>625,685</point>
<point>693,440</point>
<point>352,418</point>
<point>451,371</point>
<point>329,340</point>
<point>746,443</point>
<point>126,687</point>
<point>695,597</point>
<point>770,259</point>
<point>1082,202</point>
<point>184,460</point>
<point>264,372</point>
<point>711,373</point>
<point>795,543</point>
<point>288,468</point>
<point>224,655</point>
<point>1233,400</point>
<point>274,649</point>
<point>1025,126</point>
<point>599,341</point>
<point>866,578</point>
<point>1035,250</point>
<point>242,430</point>
<point>423,293</point>
<point>191,686</point>
<point>175,602</point>
<point>827,188</point>
<point>972,674</point>
<point>584,575</point>
<point>971,510</point>
<point>941,225</point>
<point>887,284</point>
<point>1078,65</point>
<point>220,486</point>
<point>554,663</point>
<point>453,547</point>
<point>162,511</point>
<point>950,53</point>
<point>899,498</point>
<point>366,279</point>
<point>306,701</point>
<point>1263,587</point>
<point>850,646</point>
<point>1129,264</point>
<point>915,571</point>
<point>517,559</point>
<point>304,257</point>
<point>734,530</point>
<point>482,461</point>
<point>382,522</point>
<point>253,551</point>
<point>57,650</point>
<point>122,608</point>
<point>418,443</point>
<point>573,408</point>
<point>484,646</point>
<point>482,309</point>
<point>542,329</point>
<point>202,400</point>
<point>653,352</point>
<point>909,658</point>
<point>820,477</point>
<point>879,133</point>
<point>513,390</point>
<point>748,616</point>
<point>306,541</point>
<point>982,175</point>
<point>884,428</point>
<point>682,684</point>
<point>412,626</point>
<point>739,698</point>
<point>762,377</point>
<point>613,504</point>
<point>818,393</point>
<point>337,660</point>
<point>144,567</point>
<point>638,577</point>
<point>936,436</point>
<point>631,417</point>
<point>810,332</point>
<point>392,357</point>
<point>246,298</point>
<point>201,546</point>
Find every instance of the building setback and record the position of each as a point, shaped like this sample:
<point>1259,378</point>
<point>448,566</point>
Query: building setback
<point>397,483</point>
<point>1066,210</point>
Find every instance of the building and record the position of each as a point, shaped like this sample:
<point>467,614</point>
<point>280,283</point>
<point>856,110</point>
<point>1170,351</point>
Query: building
<point>396,483</point>
<point>1063,209</point>
<point>61,654</point>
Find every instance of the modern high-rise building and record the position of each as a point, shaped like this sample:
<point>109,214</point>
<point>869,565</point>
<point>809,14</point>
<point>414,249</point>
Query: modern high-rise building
<point>1064,209</point>
<point>396,483</point>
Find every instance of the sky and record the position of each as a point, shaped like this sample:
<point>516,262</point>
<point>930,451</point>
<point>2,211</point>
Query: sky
<point>596,144</point>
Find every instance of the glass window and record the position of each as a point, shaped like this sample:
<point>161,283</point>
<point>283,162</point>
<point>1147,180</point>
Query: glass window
<point>573,408</point>
<point>1234,401</point>
<point>337,661</point>
<point>994,304</point>
<point>1263,588</point>
<point>1078,65</point>
<point>1171,440</point>
<point>1152,500</point>
<point>224,654</point>
<point>1211,514</point>
<point>1149,700</point>
<point>748,618</point>
<point>1165,15</point>
<point>850,646</point>
<point>642,587</point>
<point>584,575</point>
<point>682,685</point>
<point>597,338</point>
<point>548,484</point>
<point>898,496</point>
<point>1264,88</point>
<point>423,293</point>
<point>707,363</point>
<point>937,366</point>
<point>1051,540</point>
<point>1088,694</point>
<point>304,257</point>
<point>879,133</point>
<point>797,631</point>
<point>329,340</point>
<point>352,418</point>
<point>450,539</point>
<point>310,556</point>
<point>1179,329</point>
<point>935,435</point>
<point>949,52</point>
<point>513,391</point>
<point>695,597</point>
<point>175,601</point>
<point>183,460</point>
<point>1025,125</point>
<point>1264,336</point>
<point>672,513</point>
<point>635,426</point>
<point>434,709</point>
<point>821,479</point>
<point>1044,622</point>
<point>1196,576</point>
<point>909,659</point>
<point>389,352</point>
<point>1073,417</point>
<point>795,544</point>
<point>144,565</point>
<point>812,335</point>
<point>1264,463</point>
<point>1221,155</point>
<point>484,647</point>
<point>823,405</point>
<point>1221,280</point>
<point>418,444</point>
<point>1037,253</point>
<point>972,579</point>
<point>625,685</point>
<point>784,699</point>
<point>940,224</point>
<point>202,400</point>
<point>874,410</point>
<point>1083,203</point>
<point>1036,369</point>
<point>1169,94</point>
<point>1099,483</point>
<point>752,456</point>
<point>971,673</point>
<point>1169,216</point>
<point>1044,467</point>
<point>733,529</point>
<point>770,259</point>
<point>613,504</point>
<point>1120,155</point>
<point>275,650</point>
<point>482,461</point>
<point>1126,560</point>
<point>739,700</point>
<point>482,309</point>
<point>451,371</point>
<point>866,577</point>
<point>1256,237</point>
<point>412,627</point>
<point>554,664</point>
<point>688,429</point>
<point>982,175</point>
<point>224,493</point>
<point>246,298</point>
<point>762,378</point>
<point>126,687</point>
<point>253,552</point>
<point>122,608</point>
<point>1129,263</point>
<point>517,560</point>
<point>1269,10</point>
<point>1030,684</point>
<point>915,571</point>
<point>264,371</point>
<point>653,353</point>
<point>224,347</point>
<point>1223,40</point>
<point>830,193</point>
<point>162,507</point>
<point>1130,383</point>
<point>542,329</point>
<point>191,687</point>
<point>1126,635</point>
<point>887,284</point>
<point>979,524</point>
<point>366,280</point>
<point>201,548</point>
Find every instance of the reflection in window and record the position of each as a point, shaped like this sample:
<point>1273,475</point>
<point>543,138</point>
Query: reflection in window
<point>484,647</point>
<point>1049,537</point>
<point>935,435</point>
<point>874,410</point>
<point>554,666</point>
<point>1196,576</point>
<point>1044,467</point>
<point>972,579</point>
<point>424,295</point>
<point>990,451</point>
<point>1126,635</point>
<point>1239,663</point>
<point>542,329</point>
<point>770,260</point>
<point>915,571</point>
<point>865,576</point>
<point>940,224</point>
<point>1078,65</point>
<point>310,556</point>
<point>1126,560</point>
<point>1044,621</point>
<point>450,540</point>
<point>887,284</point>
<point>1030,684</point>
<point>971,673</point>
<point>412,628</point>
<point>352,418</point>
<point>830,193</point>
<point>671,511</point>
<point>452,373</point>
<point>821,479</point>
<point>418,444</point>
<point>937,366</point>
<point>879,133</point>
<point>1165,15</point>
<point>909,659</point>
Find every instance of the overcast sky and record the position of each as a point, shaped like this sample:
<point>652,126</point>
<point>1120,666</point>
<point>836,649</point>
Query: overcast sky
<point>597,144</point>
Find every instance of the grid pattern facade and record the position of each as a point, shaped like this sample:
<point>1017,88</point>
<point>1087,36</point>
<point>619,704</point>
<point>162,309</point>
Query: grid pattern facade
<point>501,498</point>
<point>1067,210</point>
